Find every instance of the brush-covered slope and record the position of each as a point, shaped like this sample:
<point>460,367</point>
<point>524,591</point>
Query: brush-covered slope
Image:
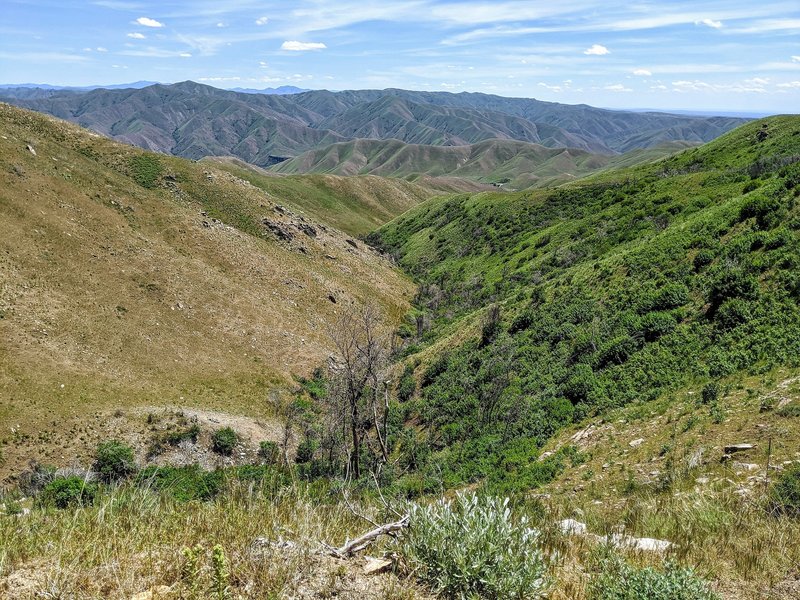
<point>129,278</point>
<point>537,310</point>
<point>515,165</point>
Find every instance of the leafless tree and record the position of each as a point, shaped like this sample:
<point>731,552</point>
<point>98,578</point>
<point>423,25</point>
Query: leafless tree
<point>358,391</point>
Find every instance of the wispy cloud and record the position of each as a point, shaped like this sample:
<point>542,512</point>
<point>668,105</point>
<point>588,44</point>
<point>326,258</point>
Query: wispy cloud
<point>295,46</point>
<point>617,87</point>
<point>262,20</point>
<point>790,84</point>
<point>60,57</point>
<point>796,59</point>
<point>770,25</point>
<point>154,52</point>
<point>148,22</point>
<point>597,50</point>
<point>137,36</point>
<point>642,72</point>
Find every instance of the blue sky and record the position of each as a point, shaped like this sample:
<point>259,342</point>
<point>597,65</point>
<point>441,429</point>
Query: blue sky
<point>733,56</point>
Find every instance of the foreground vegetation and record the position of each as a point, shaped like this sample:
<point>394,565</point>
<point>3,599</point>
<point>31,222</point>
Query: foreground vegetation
<point>261,535</point>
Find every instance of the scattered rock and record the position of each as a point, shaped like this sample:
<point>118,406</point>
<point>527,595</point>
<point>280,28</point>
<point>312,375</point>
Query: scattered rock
<point>376,566</point>
<point>572,527</point>
<point>643,544</point>
<point>636,442</point>
<point>738,448</point>
<point>353,243</point>
<point>307,229</point>
<point>31,149</point>
<point>160,591</point>
<point>278,230</point>
<point>737,466</point>
<point>332,298</point>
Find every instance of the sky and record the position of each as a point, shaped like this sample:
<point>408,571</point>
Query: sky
<point>735,56</point>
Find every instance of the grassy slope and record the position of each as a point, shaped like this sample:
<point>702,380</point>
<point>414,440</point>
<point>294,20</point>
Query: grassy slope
<point>518,165</point>
<point>356,205</point>
<point>603,300</point>
<point>115,295</point>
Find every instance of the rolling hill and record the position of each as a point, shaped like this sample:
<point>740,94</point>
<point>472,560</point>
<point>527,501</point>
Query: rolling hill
<point>508,163</point>
<point>134,279</point>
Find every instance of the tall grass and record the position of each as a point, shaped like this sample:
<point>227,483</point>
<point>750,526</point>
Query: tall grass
<point>134,537</point>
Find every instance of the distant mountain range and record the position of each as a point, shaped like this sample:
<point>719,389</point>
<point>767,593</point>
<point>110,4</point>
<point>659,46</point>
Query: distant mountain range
<point>193,121</point>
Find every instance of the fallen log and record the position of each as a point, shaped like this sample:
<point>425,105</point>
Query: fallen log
<point>362,541</point>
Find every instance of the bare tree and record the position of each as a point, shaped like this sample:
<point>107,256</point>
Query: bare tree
<point>358,392</point>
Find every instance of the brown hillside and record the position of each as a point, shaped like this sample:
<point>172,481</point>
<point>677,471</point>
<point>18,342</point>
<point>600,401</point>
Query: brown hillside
<point>114,295</point>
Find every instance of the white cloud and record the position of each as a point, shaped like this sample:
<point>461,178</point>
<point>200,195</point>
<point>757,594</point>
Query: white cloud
<point>642,72</point>
<point>796,59</point>
<point>295,46</point>
<point>790,84</point>
<point>552,88</point>
<point>185,55</point>
<point>220,24</point>
<point>709,23</point>
<point>148,22</point>
<point>658,87</point>
<point>136,36</point>
<point>263,64</point>
<point>219,78</point>
<point>747,86</point>
<point>262,20</point>
<point>101,49</point>
<point>617,87</point>
<point>597,50</point>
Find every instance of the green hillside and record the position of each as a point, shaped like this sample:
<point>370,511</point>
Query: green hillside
<point>540,309</point>
<point>507,163</point>
<point>356,205</point>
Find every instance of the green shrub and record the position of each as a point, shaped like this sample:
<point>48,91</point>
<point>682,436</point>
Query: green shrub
<point>790,410</point>
<point>183,483</point>
<point>710,393</point>
<point>732,313</point>
<point>224,440</point>
<point>305,451</point>
<point>174,438</point>
<point>407,384</point>
<point>472,547</point>
<point>146,169</point>
<point>617,580</point>
<point>656,324</point>
<point>269,452</point>
<point>114,460</point>
<point>784,495</point>
<point>68,491</point>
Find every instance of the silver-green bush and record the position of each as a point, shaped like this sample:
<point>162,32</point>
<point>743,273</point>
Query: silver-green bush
<point>473,547</point>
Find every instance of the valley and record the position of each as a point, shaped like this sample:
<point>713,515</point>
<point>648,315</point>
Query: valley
<point>598,339</point>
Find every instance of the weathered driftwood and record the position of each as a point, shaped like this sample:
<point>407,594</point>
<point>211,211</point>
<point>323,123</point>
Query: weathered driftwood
<point>362,541</point>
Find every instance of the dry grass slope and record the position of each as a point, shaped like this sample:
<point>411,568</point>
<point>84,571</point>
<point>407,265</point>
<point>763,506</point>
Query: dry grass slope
<point>116,295</point>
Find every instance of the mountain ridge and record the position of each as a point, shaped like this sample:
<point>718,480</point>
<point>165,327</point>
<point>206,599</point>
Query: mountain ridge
<point>195,120</point>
